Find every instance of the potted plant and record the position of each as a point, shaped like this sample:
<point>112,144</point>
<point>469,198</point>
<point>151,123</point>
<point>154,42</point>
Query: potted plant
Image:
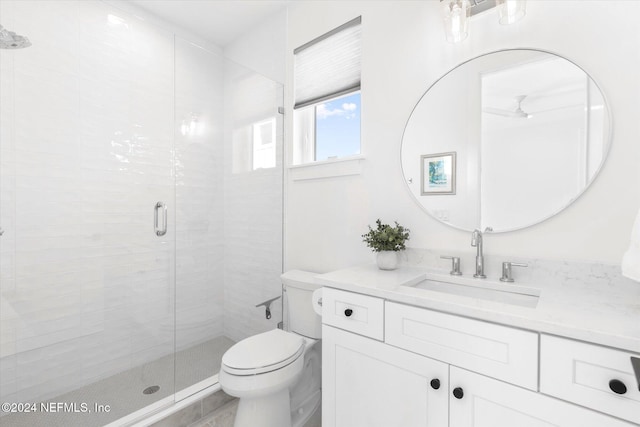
<point>386,241</point>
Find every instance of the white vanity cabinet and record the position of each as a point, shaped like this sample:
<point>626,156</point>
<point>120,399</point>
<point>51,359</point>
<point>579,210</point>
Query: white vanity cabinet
<point>486,402</point>
<point>366,383</point>
<point>419,367</point>
<point>501,352</point>
<point>353,312</point>
<point>597,377</point>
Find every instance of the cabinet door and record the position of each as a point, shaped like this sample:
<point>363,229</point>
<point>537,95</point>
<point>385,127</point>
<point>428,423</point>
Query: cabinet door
<point>586,374</point>
<point>366,383</point>
<point>486,402</point>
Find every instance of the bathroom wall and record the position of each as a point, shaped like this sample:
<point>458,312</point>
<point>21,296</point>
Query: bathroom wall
<point>262,49</point>
<point>404,52</point>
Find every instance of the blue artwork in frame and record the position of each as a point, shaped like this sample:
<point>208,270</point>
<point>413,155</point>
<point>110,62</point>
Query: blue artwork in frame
<point>438,174</point>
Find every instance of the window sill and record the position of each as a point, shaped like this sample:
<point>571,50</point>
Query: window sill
<point>327,168</point>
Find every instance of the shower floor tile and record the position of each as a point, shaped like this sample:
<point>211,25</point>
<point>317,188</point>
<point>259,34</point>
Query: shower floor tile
<point>123,391</point>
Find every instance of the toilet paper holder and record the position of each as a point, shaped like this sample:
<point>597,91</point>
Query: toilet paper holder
<point>316,301</point>
<point>267,306</point>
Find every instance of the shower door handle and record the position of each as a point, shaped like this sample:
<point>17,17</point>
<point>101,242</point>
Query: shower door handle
<point>156,213</point>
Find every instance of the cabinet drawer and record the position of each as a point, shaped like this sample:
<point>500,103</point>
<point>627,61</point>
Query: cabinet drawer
<point>581,373</point>
<point>357,313</point>
<point>498,351</point>
<point>489,403</point>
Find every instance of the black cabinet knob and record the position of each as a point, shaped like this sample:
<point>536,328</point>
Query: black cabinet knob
<point>458,393</point>
<point>617,386</point>
<point>348,312</point>
<point>435,383</point>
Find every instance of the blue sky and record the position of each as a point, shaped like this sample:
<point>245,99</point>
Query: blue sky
<point>338,127</point>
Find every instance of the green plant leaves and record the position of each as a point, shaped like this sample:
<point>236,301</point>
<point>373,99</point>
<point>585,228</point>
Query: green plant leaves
<point>386,238</point>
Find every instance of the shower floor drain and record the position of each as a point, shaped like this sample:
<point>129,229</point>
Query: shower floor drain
<point>151,390</point>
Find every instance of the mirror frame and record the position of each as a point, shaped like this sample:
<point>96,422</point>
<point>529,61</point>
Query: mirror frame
<point>605,156</point>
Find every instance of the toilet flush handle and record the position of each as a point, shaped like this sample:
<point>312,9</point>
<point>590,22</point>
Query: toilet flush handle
<point>267,306</point>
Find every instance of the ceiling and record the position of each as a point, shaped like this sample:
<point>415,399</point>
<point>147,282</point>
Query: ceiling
<point>217,21</point>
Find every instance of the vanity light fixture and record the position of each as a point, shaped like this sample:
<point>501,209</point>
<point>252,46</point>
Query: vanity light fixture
<point>511,11</point>
<point>456,14</point>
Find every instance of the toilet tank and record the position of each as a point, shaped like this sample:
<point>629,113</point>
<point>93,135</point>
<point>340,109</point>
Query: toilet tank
<point>299,287</point>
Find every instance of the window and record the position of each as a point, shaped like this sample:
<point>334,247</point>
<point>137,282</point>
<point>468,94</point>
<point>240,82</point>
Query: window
<point>338,127</point>
<point>264,144</point>
<point>327,96</point>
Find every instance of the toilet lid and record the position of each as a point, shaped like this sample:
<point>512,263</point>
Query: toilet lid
<point>263,353</point>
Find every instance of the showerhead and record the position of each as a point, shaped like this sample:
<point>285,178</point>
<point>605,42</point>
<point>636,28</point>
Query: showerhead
<point>11,40</point>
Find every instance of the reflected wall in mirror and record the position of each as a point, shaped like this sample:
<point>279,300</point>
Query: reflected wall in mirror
<point>530,130</point>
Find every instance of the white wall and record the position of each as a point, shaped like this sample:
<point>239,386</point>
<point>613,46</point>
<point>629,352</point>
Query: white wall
<point>263,48</point>
<point>404,52</point>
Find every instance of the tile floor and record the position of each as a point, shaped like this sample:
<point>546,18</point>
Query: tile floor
<point>225,416</point>
<point>123,391</point>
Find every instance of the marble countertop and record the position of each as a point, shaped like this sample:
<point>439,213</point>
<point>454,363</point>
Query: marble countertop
<point>600,309</point>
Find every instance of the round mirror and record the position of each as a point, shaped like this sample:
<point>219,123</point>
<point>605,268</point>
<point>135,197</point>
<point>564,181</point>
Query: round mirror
<point>505,140</point>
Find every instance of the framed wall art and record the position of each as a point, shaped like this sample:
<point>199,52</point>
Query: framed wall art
<point>438,174</point>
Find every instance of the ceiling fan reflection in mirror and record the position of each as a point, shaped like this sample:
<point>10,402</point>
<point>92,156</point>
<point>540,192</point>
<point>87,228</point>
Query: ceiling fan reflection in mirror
<point>517,113</point>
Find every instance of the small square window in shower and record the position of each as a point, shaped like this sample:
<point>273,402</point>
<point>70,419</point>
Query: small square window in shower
<point>264,144</point>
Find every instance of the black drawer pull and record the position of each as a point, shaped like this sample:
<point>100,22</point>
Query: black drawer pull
<point>617,386</point>
<point>348,312</point>
<point>435,383</point>
<point>458,392</point>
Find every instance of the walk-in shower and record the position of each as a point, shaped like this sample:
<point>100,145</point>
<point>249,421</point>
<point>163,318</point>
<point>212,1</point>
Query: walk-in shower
<point>138,232</point>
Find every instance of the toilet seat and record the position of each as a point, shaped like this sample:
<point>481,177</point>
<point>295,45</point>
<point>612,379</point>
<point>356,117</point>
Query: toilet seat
<point>263,353</point>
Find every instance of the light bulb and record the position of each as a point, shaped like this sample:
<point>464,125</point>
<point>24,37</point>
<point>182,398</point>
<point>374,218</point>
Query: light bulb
<point>511,11</point>
<point>455,15</point>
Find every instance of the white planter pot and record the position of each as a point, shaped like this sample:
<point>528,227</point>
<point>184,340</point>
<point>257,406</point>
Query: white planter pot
<point>387,260</point>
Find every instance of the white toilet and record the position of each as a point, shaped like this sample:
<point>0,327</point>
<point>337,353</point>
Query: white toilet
<point>276,374</point>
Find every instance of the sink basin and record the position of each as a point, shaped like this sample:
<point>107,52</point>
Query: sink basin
<point>506,293</point>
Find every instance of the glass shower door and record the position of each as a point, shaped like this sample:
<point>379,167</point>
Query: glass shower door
<point>87,274</point>
<point>229,173</point>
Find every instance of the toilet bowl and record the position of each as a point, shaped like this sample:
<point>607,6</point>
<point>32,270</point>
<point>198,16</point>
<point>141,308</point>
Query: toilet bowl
<point>261,371</point>
<point>276,374</point>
